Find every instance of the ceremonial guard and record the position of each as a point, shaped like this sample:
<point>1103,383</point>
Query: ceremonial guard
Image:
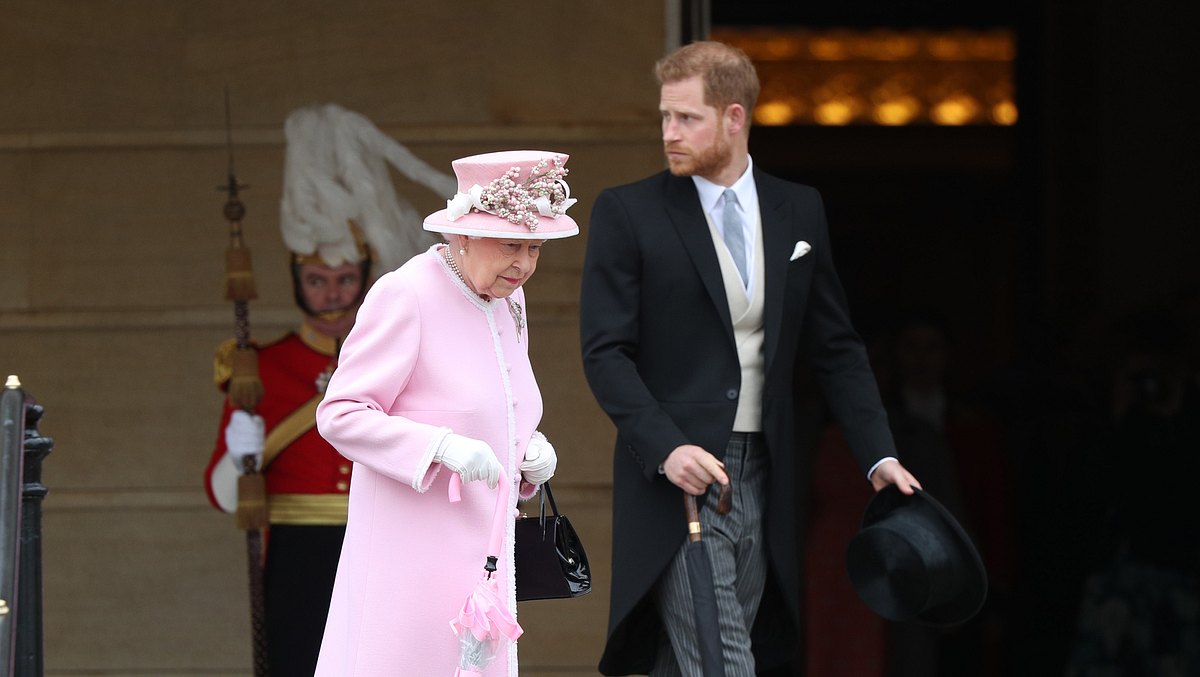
<point>340,218</point>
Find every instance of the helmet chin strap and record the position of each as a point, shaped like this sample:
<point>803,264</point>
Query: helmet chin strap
<point>333,315</point>
<point>331,325</point>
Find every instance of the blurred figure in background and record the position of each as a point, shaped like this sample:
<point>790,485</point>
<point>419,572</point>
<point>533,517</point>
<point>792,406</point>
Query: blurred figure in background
<point>957,448</point>
<point>1140,607</point>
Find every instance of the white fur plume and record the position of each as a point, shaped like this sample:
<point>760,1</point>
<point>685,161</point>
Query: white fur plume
<point>336,169</point>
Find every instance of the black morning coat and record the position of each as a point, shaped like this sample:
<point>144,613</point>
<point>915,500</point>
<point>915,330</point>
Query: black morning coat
<point>659,355</point>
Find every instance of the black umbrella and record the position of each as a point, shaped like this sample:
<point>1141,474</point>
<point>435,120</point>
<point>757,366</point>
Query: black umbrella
<point>704,597</point>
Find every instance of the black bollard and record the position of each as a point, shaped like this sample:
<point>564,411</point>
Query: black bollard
<point>12,446</point>
<point>29,659</point>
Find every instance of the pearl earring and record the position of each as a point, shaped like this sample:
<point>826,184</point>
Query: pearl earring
<point>462,252</point>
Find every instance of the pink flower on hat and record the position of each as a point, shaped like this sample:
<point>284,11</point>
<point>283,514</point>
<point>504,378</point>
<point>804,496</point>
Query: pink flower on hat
<point>491,187</point>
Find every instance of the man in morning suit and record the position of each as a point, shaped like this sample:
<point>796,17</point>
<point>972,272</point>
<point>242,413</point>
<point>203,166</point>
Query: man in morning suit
<point>702,288</point>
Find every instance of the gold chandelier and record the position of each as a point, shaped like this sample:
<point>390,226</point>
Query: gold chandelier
<point>885,77</point>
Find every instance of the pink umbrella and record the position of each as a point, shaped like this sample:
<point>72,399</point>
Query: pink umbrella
<point>484,625</point>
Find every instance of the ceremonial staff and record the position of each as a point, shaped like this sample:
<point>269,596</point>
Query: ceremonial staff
<point>245,390</point>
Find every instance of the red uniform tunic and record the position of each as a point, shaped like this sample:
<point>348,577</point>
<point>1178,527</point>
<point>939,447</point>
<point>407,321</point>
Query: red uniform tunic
<point>308,482</point>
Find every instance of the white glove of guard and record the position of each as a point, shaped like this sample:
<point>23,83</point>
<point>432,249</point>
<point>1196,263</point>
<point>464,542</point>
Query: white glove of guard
<point>472,459</point>
<point>540,460</point>
<point>244,436</point>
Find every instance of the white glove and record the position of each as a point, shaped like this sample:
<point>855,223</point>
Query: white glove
<point>540,460</point>
<point>244,436</point>
<point>470,458</point>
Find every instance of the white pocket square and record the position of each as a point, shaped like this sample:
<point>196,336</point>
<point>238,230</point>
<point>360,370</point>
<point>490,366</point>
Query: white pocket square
<point>801,249</point>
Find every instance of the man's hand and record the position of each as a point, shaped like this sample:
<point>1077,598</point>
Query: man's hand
<point>244,436</point>
<point>692,469</point>
<point>891,472</point>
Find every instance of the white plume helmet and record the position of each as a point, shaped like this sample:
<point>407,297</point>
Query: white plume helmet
<point>335,171</point>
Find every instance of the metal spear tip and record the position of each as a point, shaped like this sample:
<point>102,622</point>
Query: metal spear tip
<point>13,382</point>
<point>232,186</point>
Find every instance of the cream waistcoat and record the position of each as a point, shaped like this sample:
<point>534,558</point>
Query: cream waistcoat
<point>746,312</point>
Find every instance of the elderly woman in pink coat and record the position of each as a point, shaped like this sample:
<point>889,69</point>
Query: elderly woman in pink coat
<point>434,380</point>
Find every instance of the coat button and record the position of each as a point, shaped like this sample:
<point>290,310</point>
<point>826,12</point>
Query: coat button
<point>344,469</point>
<point>343,486</point>
<point>731,394</point>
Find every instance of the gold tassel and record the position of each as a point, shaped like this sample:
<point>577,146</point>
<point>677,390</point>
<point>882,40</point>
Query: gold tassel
<point>252,501</point>
<point>245,387</point>
<point>223,362</point>
<point>239,275</point>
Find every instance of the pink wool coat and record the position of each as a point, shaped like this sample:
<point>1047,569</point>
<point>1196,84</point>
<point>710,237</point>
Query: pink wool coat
<point>426,357</point>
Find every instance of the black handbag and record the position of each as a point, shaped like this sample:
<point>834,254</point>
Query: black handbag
<point>550,561</point>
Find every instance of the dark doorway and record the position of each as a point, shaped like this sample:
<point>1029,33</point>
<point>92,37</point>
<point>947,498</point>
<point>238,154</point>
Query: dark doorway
<point>1054,251</point>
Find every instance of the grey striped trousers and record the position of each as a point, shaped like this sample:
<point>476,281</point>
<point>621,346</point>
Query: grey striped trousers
<point>735,546</point>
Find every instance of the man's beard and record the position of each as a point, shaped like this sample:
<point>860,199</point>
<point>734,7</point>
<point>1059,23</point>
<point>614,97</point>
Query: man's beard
<point>705,162</point>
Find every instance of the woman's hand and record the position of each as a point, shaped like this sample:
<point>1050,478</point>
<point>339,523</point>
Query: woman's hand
<point>540,460</point>
<point>472,459</point>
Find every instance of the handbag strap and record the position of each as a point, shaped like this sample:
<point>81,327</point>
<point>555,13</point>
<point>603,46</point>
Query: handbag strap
<point>547,493</point>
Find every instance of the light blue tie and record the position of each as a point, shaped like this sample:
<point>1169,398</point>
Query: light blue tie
<point>734,238</point>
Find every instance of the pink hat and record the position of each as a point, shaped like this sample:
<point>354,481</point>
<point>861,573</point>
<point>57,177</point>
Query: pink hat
<point>517,194</point>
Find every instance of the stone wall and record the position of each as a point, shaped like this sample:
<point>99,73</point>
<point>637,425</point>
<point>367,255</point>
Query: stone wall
<point>112,145</point>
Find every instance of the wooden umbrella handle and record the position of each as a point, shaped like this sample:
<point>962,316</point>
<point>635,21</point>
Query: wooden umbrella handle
<point>725,500</point>
<point>724,504</point>
<point>693,517</point>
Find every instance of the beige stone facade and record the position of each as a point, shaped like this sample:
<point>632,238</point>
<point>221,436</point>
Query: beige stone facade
<point>112,145</point>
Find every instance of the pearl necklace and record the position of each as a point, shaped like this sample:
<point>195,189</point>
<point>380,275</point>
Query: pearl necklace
<point>454,267</point>
<point>513,307</point>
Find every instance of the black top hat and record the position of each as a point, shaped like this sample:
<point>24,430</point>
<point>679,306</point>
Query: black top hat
<point>912,561</point>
